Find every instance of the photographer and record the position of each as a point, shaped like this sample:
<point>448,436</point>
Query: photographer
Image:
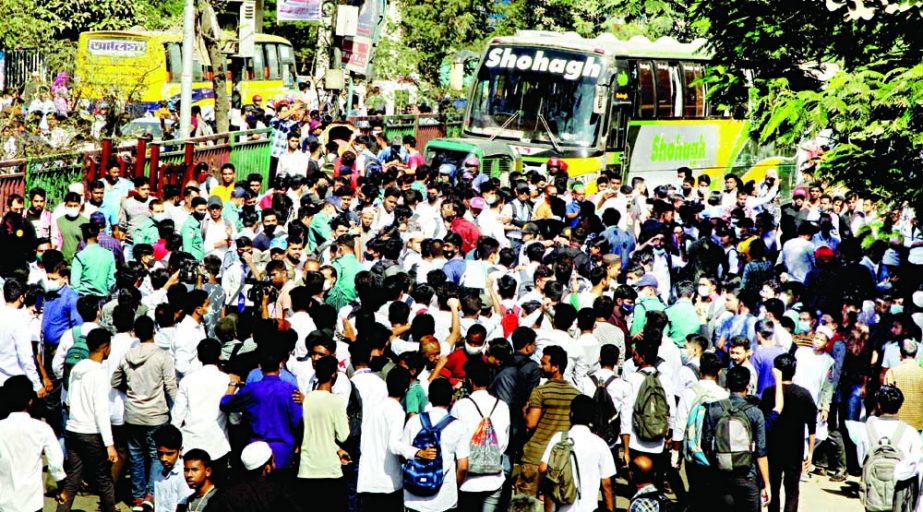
<point>268,290</point>
<point>238,270</point>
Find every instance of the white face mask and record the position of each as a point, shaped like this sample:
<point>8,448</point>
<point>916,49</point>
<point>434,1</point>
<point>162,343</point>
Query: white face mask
<point>159,217</point>
<point>472,350</point>
<point>71,212</point>
<point>703,291</point>
<point>53,286</point>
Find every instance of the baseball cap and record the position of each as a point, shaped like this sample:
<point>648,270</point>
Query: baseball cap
<point>335,201</point>
<point>824,253</point>
<point>909,346</point>
<point>646,280</point>
<point>98,218</point>
<point>215,202</point>
<point>76,188</point>
<point>478,203</point>
<point>530,228</point>
<point>278,243</point>
<point>798,192</point>
<point>256,455</point>
<point>238,193</point>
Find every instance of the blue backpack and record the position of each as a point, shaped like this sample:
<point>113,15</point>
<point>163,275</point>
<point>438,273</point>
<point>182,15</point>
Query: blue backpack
<point>424,477</point>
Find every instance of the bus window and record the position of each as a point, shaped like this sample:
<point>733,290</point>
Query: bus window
<point>197,71</point>
<point>694,92</point>
<point>666,98</point>
<point>646,98</point>
<point>287,59</point>
<point>174,55</point>
<point>272,62</point>
<point>257,63</point>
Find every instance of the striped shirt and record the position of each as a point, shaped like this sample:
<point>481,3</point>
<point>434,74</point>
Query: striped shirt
<point>554,398</point>
<point>908,377</point>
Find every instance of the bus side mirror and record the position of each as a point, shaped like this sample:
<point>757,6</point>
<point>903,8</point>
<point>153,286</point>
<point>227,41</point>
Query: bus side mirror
<point>599,102</point>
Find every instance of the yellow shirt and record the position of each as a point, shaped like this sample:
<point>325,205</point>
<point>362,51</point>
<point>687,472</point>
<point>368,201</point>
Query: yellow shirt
<point>223,192</point>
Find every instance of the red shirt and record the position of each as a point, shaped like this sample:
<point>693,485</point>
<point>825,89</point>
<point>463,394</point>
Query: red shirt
<point>454,368</point>
<point>468,232</point>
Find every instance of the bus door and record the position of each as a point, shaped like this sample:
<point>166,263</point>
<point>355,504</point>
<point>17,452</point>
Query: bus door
<point>619,113</point>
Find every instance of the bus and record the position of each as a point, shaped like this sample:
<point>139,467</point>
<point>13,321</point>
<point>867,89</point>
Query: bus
<point>636,107</point>
<point>144,68</point>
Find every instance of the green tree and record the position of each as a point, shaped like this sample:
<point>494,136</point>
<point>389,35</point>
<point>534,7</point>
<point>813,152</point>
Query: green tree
<point>302,35</point>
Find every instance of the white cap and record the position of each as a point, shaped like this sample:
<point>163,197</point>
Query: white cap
<point>825,331</point>
<point>256,455</point>
<point>77,188</point>
<point>918,298</point>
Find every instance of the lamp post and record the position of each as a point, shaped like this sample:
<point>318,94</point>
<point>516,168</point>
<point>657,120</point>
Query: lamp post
<point>185,108</point>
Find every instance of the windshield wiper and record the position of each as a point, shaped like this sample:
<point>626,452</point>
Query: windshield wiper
<point>509,121</point>
<point>547,128</point>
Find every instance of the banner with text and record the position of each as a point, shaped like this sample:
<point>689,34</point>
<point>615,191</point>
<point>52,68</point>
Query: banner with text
<point>299,10</point>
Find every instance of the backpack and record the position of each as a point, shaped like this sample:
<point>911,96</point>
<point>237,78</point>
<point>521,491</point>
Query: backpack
<point>694,369</point>
<point>510,320</point>
<point>606,423</point>
<point>651,413</point>
<point>424,477</point>
<point>564,488</point>
<point>484,455</point>
<point>878,482</point>
<point>76,353</point>
<point>733,436</point>
<point>692,439</point>
<point>354,416</point>
<point>654,501</point>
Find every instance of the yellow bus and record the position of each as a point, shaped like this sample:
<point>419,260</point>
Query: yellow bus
<point>144,68</point>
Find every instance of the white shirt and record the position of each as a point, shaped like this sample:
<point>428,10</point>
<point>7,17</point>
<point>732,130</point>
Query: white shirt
<point>67,341</point>
<point>619,389</point>
<point>121,344</point>
<point>454,446</point>
<point>302,324</point>
<point>811,371</point>
<point>909,443</point>
<point>712,392</point>
<point>488,221</point>
<point>16,356</point>
<point>635,379</point>
<point>293,162</point>
<point>185,345</point>
<point>23,440</point>
<point>468,415</point>
<point>382,447</point>
<point>590,347</point>
<point>170,488</point>
<point>372,389</point>
<point>197,414</point>
<point>596,464</point>
<point>213,233</point>
<point>89,400</point>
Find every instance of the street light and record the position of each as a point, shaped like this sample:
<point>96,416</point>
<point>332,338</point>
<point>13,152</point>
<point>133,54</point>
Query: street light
<point>185,107</point>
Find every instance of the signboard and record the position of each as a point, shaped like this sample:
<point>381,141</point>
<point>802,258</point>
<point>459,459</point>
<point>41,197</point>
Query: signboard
<point>371,14</point>
<point>299,10</point>
<point>357,54</point>
<point>571,66</point>
<point>117,47</point>
<point>347,20</point>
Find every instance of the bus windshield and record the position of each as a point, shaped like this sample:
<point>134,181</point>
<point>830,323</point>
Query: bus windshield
<point>536,95</point>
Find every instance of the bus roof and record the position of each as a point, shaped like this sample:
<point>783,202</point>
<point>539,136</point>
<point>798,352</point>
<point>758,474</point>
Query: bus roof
<point>608,44</point>
<point>171,35</point>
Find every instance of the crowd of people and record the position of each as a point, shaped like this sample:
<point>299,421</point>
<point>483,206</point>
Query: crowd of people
<point>391,335</point>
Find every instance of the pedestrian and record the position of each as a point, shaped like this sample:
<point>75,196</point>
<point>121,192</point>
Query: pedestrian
<point>88,433</point>
<point>594,467</point>
<point>167,477</point>
<point>907,376</point>
<point>741,466</point>
<point>256,490</point>
<point>197,471</point>
<point>547,412</point>
<point>784,446</point>
<point>325,427</point>
<point>147,378</point>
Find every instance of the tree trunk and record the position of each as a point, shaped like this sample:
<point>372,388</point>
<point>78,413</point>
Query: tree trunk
<point>210,35</point>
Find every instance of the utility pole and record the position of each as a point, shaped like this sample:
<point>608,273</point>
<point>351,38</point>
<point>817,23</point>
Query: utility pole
<point>185,108</point>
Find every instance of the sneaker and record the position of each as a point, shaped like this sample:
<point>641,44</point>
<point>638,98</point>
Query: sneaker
<point>838,477</point>
<point>805,476</point>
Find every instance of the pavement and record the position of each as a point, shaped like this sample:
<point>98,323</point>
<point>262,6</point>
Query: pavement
<point>819,493</point>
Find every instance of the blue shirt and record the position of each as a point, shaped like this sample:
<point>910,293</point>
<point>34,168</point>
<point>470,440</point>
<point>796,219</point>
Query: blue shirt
<point>59,315</point>
<point>737,325</point>
<point>620,242</point>
<point>763,359</point>
<point>454,269</point>
<point>272,414</point>
<point>256,375</point>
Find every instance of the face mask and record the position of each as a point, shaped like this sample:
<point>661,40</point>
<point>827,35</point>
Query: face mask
<point>269,230</point>
<point>473,351</point>
<point>897,309</point>
<point>785,298</point>
<point>53,286</point>
<point>448,254</point>
<point>492,200</point>
<point>628,308</point>
<point>703,291</point>
<point>71,213</point>
<point>432,197</point>
<point>803,327</point>
<point>659,251</point>
<point>200,216</point>
<point>703,191</point>
<point>326,285</point>
<point>159,217</point>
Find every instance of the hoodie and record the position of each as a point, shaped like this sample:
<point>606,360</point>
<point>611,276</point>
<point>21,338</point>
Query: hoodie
<point>147,376</point>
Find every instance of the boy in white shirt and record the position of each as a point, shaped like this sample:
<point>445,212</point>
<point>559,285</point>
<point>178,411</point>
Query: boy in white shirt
<point>170,488</point>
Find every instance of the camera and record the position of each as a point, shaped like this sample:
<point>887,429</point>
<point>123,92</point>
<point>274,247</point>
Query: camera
<point>189,270</point>
<point>259,288</point>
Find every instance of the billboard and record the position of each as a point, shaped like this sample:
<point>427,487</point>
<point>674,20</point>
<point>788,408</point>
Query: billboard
<point>299,10</point>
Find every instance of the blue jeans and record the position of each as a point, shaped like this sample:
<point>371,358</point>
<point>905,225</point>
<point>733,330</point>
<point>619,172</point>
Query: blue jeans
<point>142,459</point>
<point>854,403</point>
<point>488,501</point>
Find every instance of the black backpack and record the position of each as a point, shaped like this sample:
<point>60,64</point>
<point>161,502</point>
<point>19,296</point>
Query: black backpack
<point>606,424</point>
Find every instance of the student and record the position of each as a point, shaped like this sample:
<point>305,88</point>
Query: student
<point>170,488</point>
<point>739,353</point>
<point>453,448</point>
<point>594,460</point>
<point>23,441</point>
<point>647,497</point>
<point>197,469</point>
